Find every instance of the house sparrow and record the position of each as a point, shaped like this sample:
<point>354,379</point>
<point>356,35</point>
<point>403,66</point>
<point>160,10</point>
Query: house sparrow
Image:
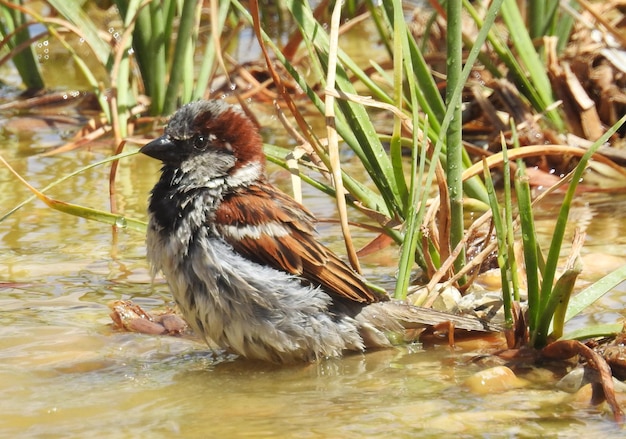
<point>241,258</point>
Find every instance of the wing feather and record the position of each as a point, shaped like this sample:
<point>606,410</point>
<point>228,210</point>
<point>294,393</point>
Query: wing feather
<point>268,227</point>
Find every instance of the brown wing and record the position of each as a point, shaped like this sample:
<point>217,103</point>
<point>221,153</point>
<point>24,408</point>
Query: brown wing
<point>268,227</point>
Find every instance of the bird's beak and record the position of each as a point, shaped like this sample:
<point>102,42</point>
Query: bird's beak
<point>162,149</point>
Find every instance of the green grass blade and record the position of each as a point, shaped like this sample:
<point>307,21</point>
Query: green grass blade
<point>113,219</point>
<point>563,24</point>
<point>527,52</point>
<point>548,290</point>
<point>593,292</point>
<point>536,16</point>
<point>561,223</point>
<point>67,177</point>
<point>454,133</point>
<point>529,243</point>
<point>428,95</point>
<point>501,238</point>
<point>555,306</point>
<point>397,160</point>
<point>84,212</point>
<point>414,214</point>
<point>474,187</point>
<point>181,55</point>
<point>25,60</point>
<point>411,236</point>
<point>594,331</point>
<point>160,58</point>
<point>508,219</point>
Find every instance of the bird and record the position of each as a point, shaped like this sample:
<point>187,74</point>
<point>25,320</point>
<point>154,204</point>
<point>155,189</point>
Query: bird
<point>242,258</point>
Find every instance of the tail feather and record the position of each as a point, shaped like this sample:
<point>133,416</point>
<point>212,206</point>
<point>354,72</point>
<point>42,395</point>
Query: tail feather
<point>395,316</point>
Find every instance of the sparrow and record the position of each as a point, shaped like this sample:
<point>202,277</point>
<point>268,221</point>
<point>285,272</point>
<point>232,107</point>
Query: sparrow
<point>241,257</point>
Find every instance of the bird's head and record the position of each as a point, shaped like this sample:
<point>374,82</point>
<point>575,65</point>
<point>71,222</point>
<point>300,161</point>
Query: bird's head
<point>211,139</point>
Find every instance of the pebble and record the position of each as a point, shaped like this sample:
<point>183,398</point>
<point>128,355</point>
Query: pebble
<point>494,380</point>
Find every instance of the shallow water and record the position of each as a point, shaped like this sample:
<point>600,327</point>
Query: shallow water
<point>65,372</point>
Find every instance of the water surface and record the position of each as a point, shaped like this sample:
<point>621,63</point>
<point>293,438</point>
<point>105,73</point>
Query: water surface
<point>65,372</point>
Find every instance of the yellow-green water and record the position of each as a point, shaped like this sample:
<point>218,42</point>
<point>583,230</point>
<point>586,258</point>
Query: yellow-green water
<point>66,373</point>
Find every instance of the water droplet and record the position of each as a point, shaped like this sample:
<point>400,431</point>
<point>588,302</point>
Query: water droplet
<point>121,222</point>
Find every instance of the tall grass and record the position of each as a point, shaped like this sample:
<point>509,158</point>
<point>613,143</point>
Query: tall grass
<point>19,45</point>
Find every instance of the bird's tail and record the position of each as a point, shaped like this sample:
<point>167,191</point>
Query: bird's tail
<point>378,319</point>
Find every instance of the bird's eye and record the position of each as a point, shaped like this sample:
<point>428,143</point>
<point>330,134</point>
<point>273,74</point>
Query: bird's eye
<point>200,142</point>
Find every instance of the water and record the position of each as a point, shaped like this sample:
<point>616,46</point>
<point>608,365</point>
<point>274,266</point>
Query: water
<point>66,372</point>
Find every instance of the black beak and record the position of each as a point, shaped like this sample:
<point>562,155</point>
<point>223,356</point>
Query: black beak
<point>162,149</point>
